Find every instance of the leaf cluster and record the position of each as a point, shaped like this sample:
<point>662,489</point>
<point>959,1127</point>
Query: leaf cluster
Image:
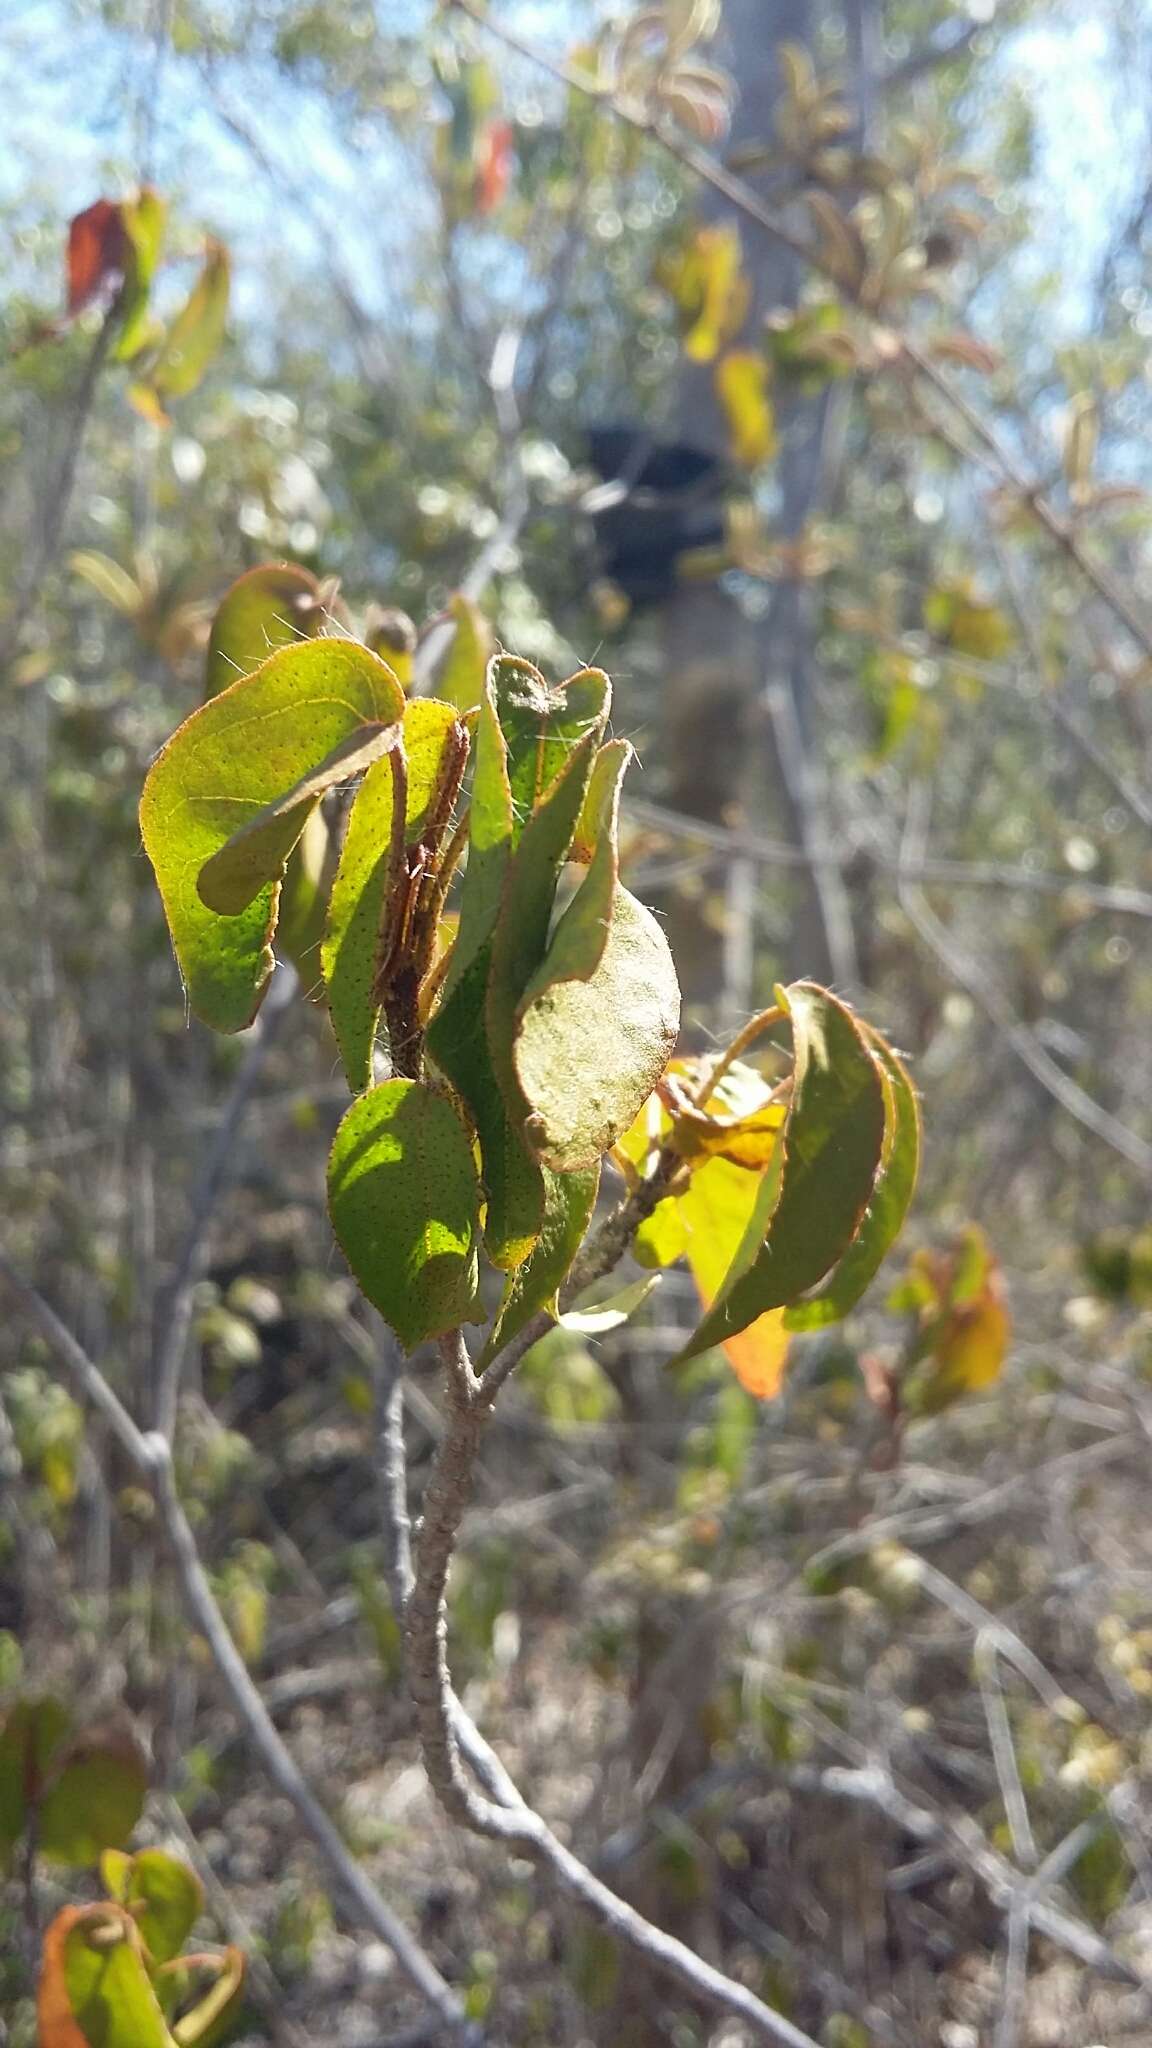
<point>113,1974</point>
<point>461,907</point>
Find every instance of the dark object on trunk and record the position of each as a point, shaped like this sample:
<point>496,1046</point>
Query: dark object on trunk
<point>659,500</point>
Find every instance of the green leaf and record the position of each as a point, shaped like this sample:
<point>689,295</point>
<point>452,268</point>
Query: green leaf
<point>542,726</point>
<point>512,1174</point>
<point>107,1984</point>
<point>257,853</point>
<point>164,1897</point>
<point>830,1155</point>
<point>240,752</point>
<point>31,1739</point>
<point>569,1199</point>
<point>628,1009</point>
<point>1103,1874</point>
<point>304,902</point>
<point>578,942</point>
<point>93,1803</point>
<point>350,951</point>
<point>884,1217</point>
<point>144,220</point>
<point>268,608</point>
<point>197,331</point>
<point>461,679</point>
<point>405,1206</point>
<point>525,735</point>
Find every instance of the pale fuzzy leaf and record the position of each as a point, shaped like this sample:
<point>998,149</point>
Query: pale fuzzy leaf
<point>595,1315</point>
<point>629,1010</point>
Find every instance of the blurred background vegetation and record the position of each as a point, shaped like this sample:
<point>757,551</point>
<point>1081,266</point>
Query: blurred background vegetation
<point>821,1682</point>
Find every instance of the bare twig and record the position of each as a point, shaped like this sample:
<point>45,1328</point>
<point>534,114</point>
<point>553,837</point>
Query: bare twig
<point>920,1525</point>
<point>1020,1921</point>
<point>1056,695</point>
<point>912,358</point>
<point>809,807</point>
<point>872,1785</point>
<point>991,1630</point>
<point>439,1719</point>
<point>1004,1749</point>
<point>151,1455</point>
<point>59,498</point>
<point>391,1469</point>
<point>728,840</point>
<point>978,984</point>
<point>175,1314</point>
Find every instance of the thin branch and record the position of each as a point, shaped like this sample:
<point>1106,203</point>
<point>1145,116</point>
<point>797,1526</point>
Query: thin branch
<point>1026,489</point>
<point>439,1719</point>
<point>1031,496</point>
<point>392,1469</point>
<point>55,511</point>
<point>88,1381</point>
<point>985,874</point>
<point>152,1457</point>
<point>281,1766</point>
<point>1020,1919</point>
<point>922,1524</point>
<point>990,1630</point>
<point>1057,698</point>
<point>871,1785</point>
<point>807,803</point>
<point>1004,1749</point>
<point>976,983</point>
<point>176,1313</point>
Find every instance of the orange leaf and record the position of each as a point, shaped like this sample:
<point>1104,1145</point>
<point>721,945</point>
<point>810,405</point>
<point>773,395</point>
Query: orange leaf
<point>493,166</point>
<point>759,1354</point>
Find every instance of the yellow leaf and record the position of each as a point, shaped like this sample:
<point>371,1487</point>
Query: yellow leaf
<point>708,284</point>
<point>967,622</point>
<point>144,400</point>
<point>970,1350</point>
<point>742,381</point>
<point>739,1122</point>
<point>706,1222</point>
<point>662,1238</point>
<point>964,1322</point>
<point>715,1211</point>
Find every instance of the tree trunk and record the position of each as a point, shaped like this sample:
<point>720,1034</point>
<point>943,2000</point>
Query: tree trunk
<point>739,687</point>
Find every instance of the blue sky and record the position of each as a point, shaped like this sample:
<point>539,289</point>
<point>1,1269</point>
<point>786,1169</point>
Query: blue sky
<point>75,100</point>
